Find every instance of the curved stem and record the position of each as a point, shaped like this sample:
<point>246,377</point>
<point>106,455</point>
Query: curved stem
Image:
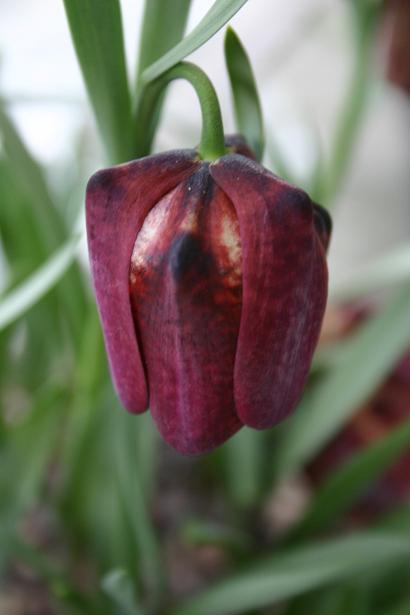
<point>212,144</point>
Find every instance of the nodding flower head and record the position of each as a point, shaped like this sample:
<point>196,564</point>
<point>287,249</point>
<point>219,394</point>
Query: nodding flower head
<point>211,282</point>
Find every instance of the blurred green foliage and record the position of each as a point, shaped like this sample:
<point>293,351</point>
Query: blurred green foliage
<point>123,513</point>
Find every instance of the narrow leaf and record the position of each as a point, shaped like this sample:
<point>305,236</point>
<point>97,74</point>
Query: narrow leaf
<point>118,586</point>
<point>97,34</point>
<point>163,26</point>
<point>294,572</point>
<point>244,457</point>
<point>22,298</point>
<point>346,484</point>
<point>217,16</point>
<point>132,497</point>
<point>48,225</point>
<point>357,370</point>
<point>247,106</point>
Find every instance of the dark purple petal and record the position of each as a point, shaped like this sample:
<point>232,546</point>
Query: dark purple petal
<point>118,200</point>
<point>284,289</point>
<point>323,224</point>
<point>186,298</point>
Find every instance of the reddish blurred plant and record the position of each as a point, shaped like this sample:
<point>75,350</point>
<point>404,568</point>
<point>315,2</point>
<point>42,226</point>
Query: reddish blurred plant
<point>389,406</point>
<point>397,28</point>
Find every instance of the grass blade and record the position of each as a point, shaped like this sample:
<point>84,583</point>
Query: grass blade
<point>217,16</point>
<point>244,457</point>
<point>247,106</point>
<point>118,586</point>
<point>163,27</point>
<point>21,299</point>
<point>48,225</point>
<point>96,30</point>
<point>294,572</point>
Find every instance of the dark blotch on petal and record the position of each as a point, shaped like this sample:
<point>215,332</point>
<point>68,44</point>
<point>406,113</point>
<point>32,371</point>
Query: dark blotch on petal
<point>187,256</point>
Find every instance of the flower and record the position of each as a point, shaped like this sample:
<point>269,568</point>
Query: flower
<point>211,282</point>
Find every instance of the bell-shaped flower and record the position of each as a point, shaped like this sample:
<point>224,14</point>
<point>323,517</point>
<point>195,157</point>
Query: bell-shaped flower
<point>211,282</point>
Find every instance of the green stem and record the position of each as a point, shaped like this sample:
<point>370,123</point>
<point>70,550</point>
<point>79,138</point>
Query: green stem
<point>212,144</point>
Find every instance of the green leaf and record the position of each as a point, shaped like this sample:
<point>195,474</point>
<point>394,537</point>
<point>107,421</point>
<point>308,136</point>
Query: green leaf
<point>217,16</point>
<point>247,106</point>
<point>42,211</point>
<point>118,586</point>
<point>364,361</point>
<point>364,29</point>
<point>163,26</point>
<point>244,457</point>
<point>130,487</point>
<point>97,34</point>
<point>384,272</point>
<point>347,483</point>
<point>30,180</point>
<point>27,449</point>
<point>198,533</point>
<point>22,298</point>
<point>294,572</point>
<point>403,608</point>
<point>57,582</point>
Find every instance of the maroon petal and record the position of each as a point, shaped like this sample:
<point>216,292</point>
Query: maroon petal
<point>118,200</point>
<point>186,297</point>
<point>284,289</point>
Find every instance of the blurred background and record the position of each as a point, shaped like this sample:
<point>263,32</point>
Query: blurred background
<point>97,515</point>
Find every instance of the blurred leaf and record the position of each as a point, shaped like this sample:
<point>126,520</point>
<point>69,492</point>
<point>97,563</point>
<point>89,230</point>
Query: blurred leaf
<point>245,95</point>
<point>299,570</point>
<point>119,587</point>
<point>197,533</point>
<point>364,30</point>
<point>30,179</point>
<point>22,298</point>
<point>217,16</point>
<point>403,608</point>
<point>163,26</point>
<point>339,600</point>
<point>244,457</point>
<point>142,536</point>
<point>366,358</point>
<point>398,519</point>
<point>348,482</point>
<point>48,225</point>
<point>89,377</point>
<point>96,30</point>
<point>57,581</point>
<point>25,452</point>
<point>383,272</point>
